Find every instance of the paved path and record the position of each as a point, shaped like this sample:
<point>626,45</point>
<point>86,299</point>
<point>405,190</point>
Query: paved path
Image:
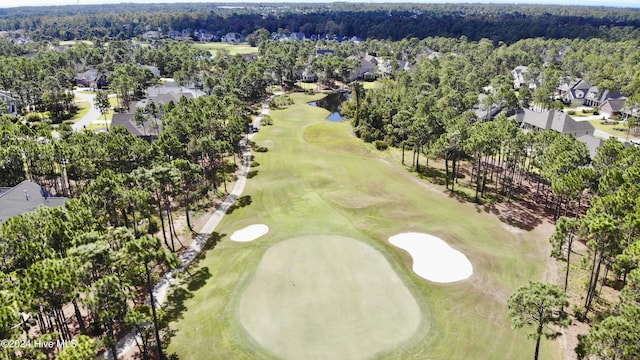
<point>605,135</point>
<point>161,290</point>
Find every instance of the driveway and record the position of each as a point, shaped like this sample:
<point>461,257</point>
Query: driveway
<point>92,115</point>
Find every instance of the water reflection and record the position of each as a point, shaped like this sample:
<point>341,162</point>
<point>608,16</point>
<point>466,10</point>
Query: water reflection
<point>333,103</point>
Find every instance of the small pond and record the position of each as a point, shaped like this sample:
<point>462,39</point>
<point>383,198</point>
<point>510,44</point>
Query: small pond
<point>333,103</point>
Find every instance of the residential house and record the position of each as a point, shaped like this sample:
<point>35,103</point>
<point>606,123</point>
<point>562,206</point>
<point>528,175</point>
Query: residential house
<point>149,130</point>
<point>8,99</point>
<point>151,35</point>
<point>560,122</point>
<point>484,110</point>
<point>154,70</point>
<point>203,35</point>
<point>365,68</point>
<point>388,67</point>
<point>593,97</point>
<point>297,36</point>
<point>160,95</point>
<point>250,57</point>
<point>92,79</point>
<point>171,91</point>
<point>523,78</point>
<point>321,52</point>
<point>612,107</point>
<point>309,76</point>
<point>25,197</point>
<point>233,37</point>
<point>576,92</point>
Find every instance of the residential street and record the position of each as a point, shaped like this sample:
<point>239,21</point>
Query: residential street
<point>93,113</point>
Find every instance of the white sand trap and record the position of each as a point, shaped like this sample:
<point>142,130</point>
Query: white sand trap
<point>433,258</point>
<point>250,233</point>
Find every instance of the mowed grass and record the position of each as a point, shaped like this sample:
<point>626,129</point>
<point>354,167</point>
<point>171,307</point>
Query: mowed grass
<point>83,109</point>
<point>346,282</point>
<point>618,129</point>
<point>233,49</point>
<point>317,178</point>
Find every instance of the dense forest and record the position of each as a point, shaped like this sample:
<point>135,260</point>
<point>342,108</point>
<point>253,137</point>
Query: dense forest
<point>97,250</point>
<point>506,23</point>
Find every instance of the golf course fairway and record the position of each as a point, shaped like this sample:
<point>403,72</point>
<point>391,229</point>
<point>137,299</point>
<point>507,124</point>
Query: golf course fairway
<point>331,203</point>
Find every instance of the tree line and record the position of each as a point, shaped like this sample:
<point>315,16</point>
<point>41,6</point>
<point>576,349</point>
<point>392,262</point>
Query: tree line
<point>428,112</point>
<point>98,256</point>
<point>507,23</point>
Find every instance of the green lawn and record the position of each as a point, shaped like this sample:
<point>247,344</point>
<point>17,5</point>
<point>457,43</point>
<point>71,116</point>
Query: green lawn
<point>307,86</point>
<point>83,109</point>
<point>75,42</point>
<point>371,84</point>
<point>613,128</point>
<point>316,179</point>
<point>233,49</point>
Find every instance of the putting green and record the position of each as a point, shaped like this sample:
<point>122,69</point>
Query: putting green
<point>327,297</point>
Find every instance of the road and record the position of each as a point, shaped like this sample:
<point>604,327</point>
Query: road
<point>92,115</point>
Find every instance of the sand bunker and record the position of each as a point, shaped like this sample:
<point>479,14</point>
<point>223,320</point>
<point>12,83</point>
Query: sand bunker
<point>250,233</point>
<point>433,258</point>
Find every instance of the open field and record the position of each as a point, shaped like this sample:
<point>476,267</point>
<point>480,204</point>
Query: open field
<point>318,180</point>
<point>233,49</point>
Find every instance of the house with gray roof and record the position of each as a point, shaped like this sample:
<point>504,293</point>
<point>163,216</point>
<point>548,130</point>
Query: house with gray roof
<point>160,95</point>
<point>576,93</point>
<point>320,52</point>
<point>8,99</point>
<point>612,106</point>
<point>233,37</point>
<point>595,98</point>
<point>365,68</point>
<point>25,197</point>
<point>560,122</point>
<point>92,79</point>
<point>148,130</point>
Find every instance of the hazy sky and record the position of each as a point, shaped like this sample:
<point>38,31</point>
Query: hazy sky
<point>620,3</point>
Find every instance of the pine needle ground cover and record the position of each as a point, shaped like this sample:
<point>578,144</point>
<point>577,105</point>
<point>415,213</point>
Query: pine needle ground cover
<point>317,181</point>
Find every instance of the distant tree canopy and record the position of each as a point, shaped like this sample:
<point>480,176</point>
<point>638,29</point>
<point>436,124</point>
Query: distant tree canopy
<point>506,23</point>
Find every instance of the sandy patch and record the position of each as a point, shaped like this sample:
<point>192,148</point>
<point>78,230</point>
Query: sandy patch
<point>433,258</point>
<point>327,297</point>
<point>250,233</point>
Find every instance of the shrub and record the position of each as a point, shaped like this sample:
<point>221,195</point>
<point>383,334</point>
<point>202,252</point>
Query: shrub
<point>571,112</point>
<point>381,145</point>
<point>154,225</point>
<point>266,120</point>
<point>261,149</point>
<point>31,117</point>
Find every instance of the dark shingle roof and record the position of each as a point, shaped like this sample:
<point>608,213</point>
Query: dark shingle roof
<point>25,197</point>
<point>126,120</point>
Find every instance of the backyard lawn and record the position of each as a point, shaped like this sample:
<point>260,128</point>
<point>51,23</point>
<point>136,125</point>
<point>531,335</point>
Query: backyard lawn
<point>325,276</point>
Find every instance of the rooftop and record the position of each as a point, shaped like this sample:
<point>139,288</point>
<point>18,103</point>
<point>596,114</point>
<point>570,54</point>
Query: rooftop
<point>25,197</point>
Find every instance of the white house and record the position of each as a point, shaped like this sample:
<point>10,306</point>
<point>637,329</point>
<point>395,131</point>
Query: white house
<point>8,99</point>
